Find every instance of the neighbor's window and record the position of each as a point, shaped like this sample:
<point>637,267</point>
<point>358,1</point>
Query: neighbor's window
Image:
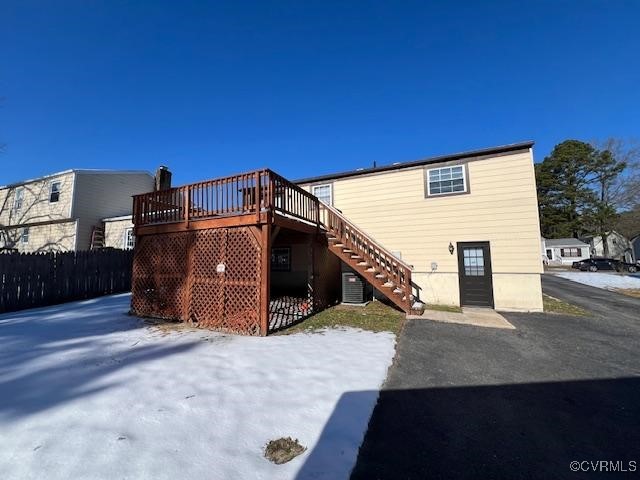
<point>281,259</point>
<point>24,238</point>
<point>323,192</point>
<point>570,252</point>
<point>18,199</point>
<point>54,192</point>
<point>129,239</point>
<point>446,180</point>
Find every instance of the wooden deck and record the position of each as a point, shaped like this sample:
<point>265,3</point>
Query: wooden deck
<point>184,233</point>
<point>253,198</point>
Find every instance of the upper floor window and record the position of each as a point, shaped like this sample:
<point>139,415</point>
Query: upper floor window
<point>446,180</point>
<point>129,239</point>
<point>24,238</point>
<point>18,199</point>
<point>54,192</point>
<point>323,192</point>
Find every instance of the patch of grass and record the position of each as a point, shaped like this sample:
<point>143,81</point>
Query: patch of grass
<point>375,316</point>
<point>555,305</point>
<point>444,308</point>
<point>283,450</point>
<point>632,292</point>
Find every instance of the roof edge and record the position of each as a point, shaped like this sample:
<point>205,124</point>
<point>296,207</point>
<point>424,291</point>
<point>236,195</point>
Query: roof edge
<point>425,161</point>
<point>76,170</point>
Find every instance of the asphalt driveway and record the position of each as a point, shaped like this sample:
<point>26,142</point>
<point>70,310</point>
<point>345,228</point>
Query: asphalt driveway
<point>468,402</point>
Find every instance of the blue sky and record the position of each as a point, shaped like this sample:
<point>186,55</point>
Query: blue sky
<point>306,87</point>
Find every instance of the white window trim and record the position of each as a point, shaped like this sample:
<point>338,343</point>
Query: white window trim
<point>125,246</point>
<point>330,185</point>
<point>51,184</point>
<point>464,181</point>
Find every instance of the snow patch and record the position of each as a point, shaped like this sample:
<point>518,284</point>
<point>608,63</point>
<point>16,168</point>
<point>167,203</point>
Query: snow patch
<point>607,281</point>
<point>87,391</point>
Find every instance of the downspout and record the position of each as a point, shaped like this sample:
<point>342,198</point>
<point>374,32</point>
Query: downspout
<point>72,208</point>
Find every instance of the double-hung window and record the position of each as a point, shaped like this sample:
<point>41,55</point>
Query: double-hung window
<point>24,238</point>
<point>570,252</point>
<point>446,180</point>
<point>18,199</point>
<point>281,259</point>
<point>323,192</point>
<point>129,239</point>
<point>54,192</point>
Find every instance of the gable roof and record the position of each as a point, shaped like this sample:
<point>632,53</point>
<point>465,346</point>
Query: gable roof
<point>77,170</point>
<point>502,149</point>
<point>564,242</point>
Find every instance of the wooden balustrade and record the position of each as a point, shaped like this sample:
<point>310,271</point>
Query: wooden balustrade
<point>247,193</point>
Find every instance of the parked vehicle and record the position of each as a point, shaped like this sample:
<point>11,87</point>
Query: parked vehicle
<point>595,264</point>
<point>627,267</point>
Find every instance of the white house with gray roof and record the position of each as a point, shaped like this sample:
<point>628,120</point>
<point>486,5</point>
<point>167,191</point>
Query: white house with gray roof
<point>564,251</point>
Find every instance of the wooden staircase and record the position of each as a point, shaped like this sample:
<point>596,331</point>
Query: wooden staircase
<point>378,266</point>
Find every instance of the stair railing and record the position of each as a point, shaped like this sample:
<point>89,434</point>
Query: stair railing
<point>371,252</point>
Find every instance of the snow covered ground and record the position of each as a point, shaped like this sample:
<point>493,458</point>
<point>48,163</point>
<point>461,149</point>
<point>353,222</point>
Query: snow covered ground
<point>87,392</point>
<point>608,281</point>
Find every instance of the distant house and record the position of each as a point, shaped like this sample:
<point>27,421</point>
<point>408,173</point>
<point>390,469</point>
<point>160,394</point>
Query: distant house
<point>618,247</point>
<point>60,212</point>
<point>635,244</point>
<point>564,251</point>
<point>118,232</point>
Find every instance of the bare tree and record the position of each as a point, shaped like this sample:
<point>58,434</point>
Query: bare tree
<point>35,212</point>
<point>624,189</point>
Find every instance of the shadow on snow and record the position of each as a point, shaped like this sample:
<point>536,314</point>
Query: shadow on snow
<point>52,355</point>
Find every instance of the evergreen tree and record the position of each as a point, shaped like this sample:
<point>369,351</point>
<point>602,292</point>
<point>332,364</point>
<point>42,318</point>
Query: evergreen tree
<point>565,195</point>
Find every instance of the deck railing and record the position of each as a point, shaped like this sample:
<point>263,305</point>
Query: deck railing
<point>243,194</point>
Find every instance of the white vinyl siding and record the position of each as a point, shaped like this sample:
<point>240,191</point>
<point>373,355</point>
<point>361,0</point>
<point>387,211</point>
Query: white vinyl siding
<point>105,195</point>
<point>446,180</point>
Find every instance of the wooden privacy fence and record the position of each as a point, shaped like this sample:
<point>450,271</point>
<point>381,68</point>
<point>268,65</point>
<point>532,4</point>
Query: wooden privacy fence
<point>37,279</point>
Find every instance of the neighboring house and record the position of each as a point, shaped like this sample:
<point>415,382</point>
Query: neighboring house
<point>618,247</point>
<point>118,232</point>
<point>253,252</point>
<point>58,212</point>
<point>564,251</point>
<point>635,243</point>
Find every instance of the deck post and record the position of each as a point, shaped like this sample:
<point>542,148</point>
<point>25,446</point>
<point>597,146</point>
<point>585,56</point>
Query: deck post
<point>265,278</point>
<point>257,197</point>
<point>186,204</point>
